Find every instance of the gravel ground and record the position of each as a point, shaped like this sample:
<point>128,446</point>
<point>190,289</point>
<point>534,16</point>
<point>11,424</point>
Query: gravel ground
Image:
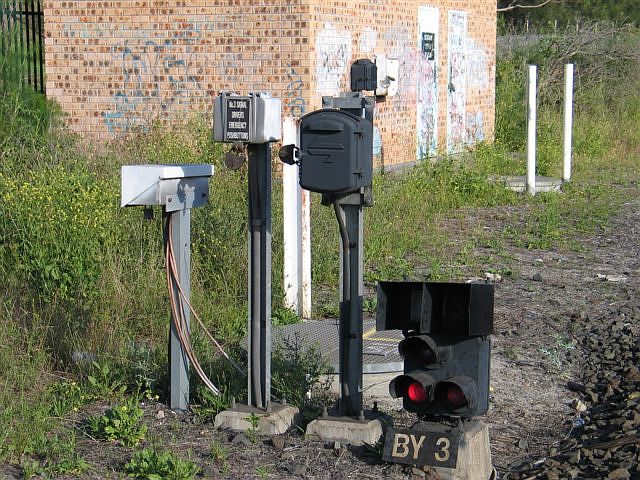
<point>565,380</point>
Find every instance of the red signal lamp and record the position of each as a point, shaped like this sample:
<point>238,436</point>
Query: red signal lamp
<point>454,395</point>
<point>417,393</point>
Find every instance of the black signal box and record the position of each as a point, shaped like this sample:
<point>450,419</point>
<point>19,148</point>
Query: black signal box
<point>336,152</point>
<point>364,75</point>
<point>436,308</point>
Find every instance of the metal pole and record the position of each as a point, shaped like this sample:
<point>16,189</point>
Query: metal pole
<point>531,130</point>
<point>41,46</point>
<point>259,382</point>
<point>349,212</point>
<point>568,121</point>
<point>291,223</point>
<point>178,360</point>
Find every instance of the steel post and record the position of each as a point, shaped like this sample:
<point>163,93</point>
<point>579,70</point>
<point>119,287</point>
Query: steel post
<point>349,210</point>
<point>178,361</point>
<point>259,252</point>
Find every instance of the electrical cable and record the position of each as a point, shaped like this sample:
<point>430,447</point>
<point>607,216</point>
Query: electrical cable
<point>177,309</point>
<point>180,326</point>
<point>184,298</point>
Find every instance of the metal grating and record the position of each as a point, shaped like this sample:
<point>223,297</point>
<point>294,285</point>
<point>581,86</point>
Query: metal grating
<point>379,349</point>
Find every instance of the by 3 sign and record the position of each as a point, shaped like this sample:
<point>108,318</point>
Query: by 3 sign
<point>437,447</point>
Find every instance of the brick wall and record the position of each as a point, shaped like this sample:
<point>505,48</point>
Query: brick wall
<point>118,66</point>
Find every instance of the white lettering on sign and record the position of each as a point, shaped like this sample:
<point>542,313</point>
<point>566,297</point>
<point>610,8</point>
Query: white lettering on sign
<point>238,104</point>
<point>400,445</point>
<point>417,445</point>
<point>237,136</point>
<point>237,114</point>
<point>242,125</point>
<point>443,454</point>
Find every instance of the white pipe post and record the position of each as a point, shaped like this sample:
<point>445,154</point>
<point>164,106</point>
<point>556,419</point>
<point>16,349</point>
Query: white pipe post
<point>296,231</point>
<point>291,222</point>
<point>531,130</point>
<point>568,122</point>
<point>305,245</point>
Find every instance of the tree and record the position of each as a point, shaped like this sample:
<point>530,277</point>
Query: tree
<point>561,12</point>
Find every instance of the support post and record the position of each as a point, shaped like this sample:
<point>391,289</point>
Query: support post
<point>178,360</point>
<point>296,228</point>
<point>531,129</point>
<point>259,252</point>
<point>568,122</point>
<point>349,211</point>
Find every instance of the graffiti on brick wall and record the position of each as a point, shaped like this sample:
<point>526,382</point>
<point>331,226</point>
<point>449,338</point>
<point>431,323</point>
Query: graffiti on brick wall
<point>333,54</point>
<point>367,40</point>
<point>427,82</point>
<point>294,91</point>
<point>474,128</point>
<point>399,43</point>
<point>156,79</point>
<point>456,102</point>
<point>477,65</point>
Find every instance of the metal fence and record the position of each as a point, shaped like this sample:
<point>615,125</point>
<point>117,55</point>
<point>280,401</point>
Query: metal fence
<point>22,42</point>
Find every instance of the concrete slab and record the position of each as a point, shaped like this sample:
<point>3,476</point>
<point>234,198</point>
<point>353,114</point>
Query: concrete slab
<point>346,430</point>
<point>519,183</point>
<point>276,422</point>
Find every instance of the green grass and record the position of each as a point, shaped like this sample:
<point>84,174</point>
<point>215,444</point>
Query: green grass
<point>84,279</point>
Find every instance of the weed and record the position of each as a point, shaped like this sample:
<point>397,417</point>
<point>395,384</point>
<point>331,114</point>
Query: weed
<point>370,305</point>
<point>66,396</point>
<point>263,472</point>
<point>511,353</point>
<point>296,371</point>
<point>284,316</point>
<point>254,427</point>
<point>152,464</point>
<point>53,456</point>
<point>218,452</point>
<point>31,468</point>
<point>104,382</point>
<point>556,351</point>
<point>120,423</point>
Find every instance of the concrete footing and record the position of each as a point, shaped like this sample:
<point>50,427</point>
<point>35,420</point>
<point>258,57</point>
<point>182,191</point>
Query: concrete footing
<point>275,422</point>
<point>519,184</point>
<point>345,430</point>
<point>474,455</point>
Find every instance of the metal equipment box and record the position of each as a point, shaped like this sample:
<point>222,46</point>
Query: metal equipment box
<point>336,152</point>
<point>174,186</point>
<point>256,118</point>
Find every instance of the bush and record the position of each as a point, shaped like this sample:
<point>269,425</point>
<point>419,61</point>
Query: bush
<point>54,229</point>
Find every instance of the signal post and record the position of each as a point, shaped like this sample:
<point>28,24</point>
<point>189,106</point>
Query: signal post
<point>446,352</point>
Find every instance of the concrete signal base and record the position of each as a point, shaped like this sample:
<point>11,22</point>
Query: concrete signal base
<point>474,455</point>
<point>275,422</point>
<point>346,430</point>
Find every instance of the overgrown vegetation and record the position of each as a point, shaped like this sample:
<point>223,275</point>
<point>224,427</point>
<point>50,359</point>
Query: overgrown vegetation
<point>154,464</point>
<point>83,293</point>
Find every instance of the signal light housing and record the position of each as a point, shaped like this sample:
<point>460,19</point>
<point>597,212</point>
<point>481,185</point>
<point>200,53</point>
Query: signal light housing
<point>459,386</point>
<point>446,349</point>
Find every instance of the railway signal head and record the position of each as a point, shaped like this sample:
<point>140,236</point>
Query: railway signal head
<point>446,349</point>
<point>443,375</point>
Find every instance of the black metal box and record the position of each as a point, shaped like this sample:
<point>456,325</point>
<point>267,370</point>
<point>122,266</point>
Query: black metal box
<point>336,152</point>
<point>436,308</point>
